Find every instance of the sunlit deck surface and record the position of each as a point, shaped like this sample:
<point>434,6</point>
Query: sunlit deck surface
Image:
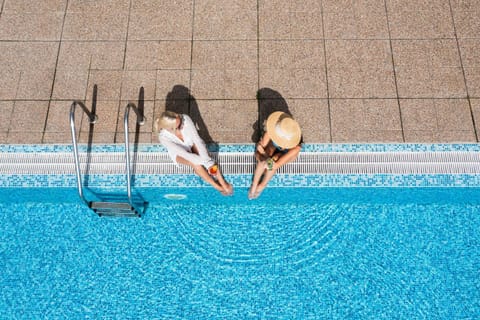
<point>349,71</point>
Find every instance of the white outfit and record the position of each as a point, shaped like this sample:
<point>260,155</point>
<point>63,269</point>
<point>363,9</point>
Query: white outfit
<point>177,147</point>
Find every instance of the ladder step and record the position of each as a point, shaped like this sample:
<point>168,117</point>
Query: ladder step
<point>118,214</point>
<point>114,209</point>
<point>111,205</point>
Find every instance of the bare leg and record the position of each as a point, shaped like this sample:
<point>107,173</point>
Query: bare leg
<point>266,179</point>
<point>261,178</point>
<point>259,171</point>
<point>202,173</point>
<point>227,187</point>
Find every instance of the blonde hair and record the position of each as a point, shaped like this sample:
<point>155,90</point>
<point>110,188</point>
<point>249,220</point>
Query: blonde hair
<point>167,120</point>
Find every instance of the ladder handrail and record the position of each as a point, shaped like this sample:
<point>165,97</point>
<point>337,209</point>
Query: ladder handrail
<point>141,121</point>
<point>92,118</point>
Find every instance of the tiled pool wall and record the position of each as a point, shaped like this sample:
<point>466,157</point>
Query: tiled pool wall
<point>309,147</point>
<point>281,180</point>
<point>316,179</point>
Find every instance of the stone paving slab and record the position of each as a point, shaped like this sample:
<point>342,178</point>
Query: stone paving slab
<point>349,71</point>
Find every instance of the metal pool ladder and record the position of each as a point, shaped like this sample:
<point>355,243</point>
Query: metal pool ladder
<point>108,208</point>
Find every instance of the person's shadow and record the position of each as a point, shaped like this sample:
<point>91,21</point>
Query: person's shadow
<point>269,101</point>
<point>180,101</point>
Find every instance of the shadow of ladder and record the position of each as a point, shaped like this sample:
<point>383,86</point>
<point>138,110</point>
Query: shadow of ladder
<point>108,208</point>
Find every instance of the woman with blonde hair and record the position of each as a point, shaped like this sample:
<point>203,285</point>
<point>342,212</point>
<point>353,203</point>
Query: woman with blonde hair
<point>178,134</point>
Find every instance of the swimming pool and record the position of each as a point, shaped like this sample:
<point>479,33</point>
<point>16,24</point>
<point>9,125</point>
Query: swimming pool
<point>308,251</point>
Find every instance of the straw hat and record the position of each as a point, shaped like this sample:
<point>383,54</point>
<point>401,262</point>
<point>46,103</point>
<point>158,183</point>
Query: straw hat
<point>283,130</point>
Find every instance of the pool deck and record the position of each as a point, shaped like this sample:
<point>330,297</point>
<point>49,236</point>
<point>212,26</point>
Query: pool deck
<point>349,71</point>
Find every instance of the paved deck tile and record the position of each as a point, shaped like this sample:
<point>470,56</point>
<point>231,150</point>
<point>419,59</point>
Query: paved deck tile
<point>6,109</point>
<point>349,71</point>
<point>365,120</point>
<point>428,69</point>
<point>161,20</point>
<point>470,50</point>
<point>153,55</point>
<point>465,14</point>
<point>365,19</point>
<point>360,69</point>
<point>225,20</point>
<point>29,116</point>
<point>431,120</point>
<point>420,19</point>
<point>280,20</point>
<point>96,23</point>
<point>46,26</point>
<point>167,80</point>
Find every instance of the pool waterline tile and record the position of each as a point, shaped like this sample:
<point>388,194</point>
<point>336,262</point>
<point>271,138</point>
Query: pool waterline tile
<point>250,147</point>
<point>106,182</point>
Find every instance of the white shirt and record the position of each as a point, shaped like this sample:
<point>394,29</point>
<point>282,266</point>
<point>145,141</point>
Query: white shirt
<point>176,147</point>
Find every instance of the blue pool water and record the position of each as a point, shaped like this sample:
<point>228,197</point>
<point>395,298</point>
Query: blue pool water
<point>304,253</point>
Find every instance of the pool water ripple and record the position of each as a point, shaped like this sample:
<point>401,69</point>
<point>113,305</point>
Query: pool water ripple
<point>334,254</point>
<point>272,232</point>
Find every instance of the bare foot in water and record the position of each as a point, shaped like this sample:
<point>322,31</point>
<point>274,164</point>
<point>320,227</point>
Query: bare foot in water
<point>254,193</point>
<point>228,190</point>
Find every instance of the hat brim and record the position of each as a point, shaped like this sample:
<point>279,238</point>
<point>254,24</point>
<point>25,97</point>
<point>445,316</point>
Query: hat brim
<point>281,140</point>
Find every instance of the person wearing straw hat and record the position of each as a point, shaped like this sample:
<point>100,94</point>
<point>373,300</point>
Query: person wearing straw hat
<point>178,134</point>
<point>280,144</point>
